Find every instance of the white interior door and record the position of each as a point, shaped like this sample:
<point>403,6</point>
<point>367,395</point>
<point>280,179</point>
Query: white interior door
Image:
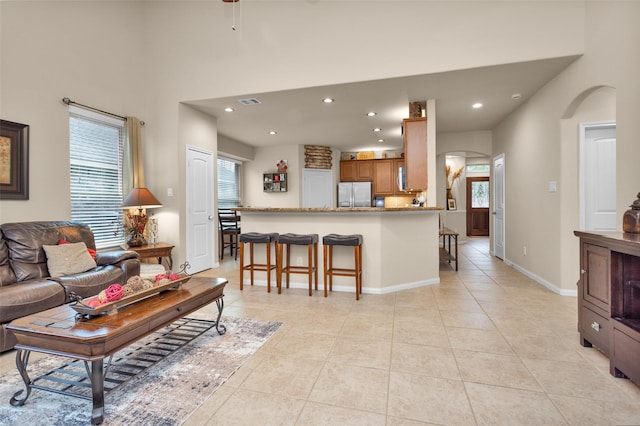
<point>498,206</point>
<point>317,188</point>
<point>200,217</point>
<point>598,177</point>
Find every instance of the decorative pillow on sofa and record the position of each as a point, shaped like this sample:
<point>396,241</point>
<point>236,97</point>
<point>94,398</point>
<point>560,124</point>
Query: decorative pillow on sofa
<point>68,259</point>
<point>92,252</point>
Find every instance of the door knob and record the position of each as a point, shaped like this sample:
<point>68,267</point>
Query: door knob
<point>210,218</point>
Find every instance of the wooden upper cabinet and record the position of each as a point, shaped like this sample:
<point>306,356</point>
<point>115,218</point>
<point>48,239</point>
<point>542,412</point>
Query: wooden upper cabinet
<point>384,177</point>
<point>415,153</point>
<point>365,169</point>
<point>356,170</point>
<point>348,171</point>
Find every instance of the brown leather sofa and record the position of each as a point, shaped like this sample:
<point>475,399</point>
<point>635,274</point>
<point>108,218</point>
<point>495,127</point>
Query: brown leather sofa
<point>26,286</point>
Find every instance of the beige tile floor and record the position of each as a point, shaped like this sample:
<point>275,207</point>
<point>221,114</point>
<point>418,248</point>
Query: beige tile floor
<point>485,346</point>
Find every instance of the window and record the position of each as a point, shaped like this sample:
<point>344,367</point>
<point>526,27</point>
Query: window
<point>96,156</point>
<point>228,182</point>
<point>478,168</point>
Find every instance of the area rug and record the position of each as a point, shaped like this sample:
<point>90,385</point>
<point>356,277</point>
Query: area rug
<point>164,394</point>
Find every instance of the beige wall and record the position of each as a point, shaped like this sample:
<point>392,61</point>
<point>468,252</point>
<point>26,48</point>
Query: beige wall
<point>145,58</point>
<point>537,150</point>
<point>90,52</point>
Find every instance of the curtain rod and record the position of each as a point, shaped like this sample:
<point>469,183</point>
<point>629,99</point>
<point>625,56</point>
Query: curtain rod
<point>68,101</point>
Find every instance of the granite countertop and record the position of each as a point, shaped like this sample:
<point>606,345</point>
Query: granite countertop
<point>336,209</point>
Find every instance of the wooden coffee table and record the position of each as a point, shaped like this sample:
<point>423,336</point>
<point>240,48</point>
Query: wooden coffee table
<point>62,331</point>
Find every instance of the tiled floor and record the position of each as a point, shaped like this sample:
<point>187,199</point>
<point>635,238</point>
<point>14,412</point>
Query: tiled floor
<point>486,346</point>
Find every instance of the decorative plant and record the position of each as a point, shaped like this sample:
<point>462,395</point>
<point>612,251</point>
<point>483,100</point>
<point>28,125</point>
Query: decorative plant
<point>132,227</point>
<point>456,174</point>
<point>282,166</point>
<point>134,224</point>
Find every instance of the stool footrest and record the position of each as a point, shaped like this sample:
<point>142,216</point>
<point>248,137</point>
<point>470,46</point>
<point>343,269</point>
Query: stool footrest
<point>298,270</point>
<point>258,267</point>
<point>342,272</point>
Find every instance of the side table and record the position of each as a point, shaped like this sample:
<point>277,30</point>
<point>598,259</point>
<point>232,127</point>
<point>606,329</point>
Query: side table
<point>159,250</point>
<point>445,252</point>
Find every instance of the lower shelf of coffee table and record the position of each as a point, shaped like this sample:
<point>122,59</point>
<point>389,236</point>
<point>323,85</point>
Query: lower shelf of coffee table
<point>71,379</point>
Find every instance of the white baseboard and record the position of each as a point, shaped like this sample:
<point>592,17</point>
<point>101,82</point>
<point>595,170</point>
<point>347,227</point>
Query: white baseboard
<point>350,288</point>
<point>541,281</point>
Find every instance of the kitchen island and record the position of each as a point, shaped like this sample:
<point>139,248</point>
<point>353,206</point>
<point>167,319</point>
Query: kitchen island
<point>400,249</point>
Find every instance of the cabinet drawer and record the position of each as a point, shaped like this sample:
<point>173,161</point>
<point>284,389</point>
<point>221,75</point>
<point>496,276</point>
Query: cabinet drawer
<point>596,329</point>
<point>178,311</point>
<point>626,352</point>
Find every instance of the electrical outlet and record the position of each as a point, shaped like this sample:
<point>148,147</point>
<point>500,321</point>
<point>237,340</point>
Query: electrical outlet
<point>299,260</point>
<point>524,250</point>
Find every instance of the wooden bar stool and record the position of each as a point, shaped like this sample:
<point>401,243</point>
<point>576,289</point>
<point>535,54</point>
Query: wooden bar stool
<point>257,238</point>
<point>355,241</point>
<point>311,269</point>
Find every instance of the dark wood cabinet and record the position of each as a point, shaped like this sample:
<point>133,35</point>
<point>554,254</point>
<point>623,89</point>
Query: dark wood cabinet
<point>415,153</point>
<point>356,171</point>
<point>609,298</point>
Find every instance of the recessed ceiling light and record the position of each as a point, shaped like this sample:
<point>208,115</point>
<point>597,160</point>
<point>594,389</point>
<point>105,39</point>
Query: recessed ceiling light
<point>371,114</point>
<point>273,132</point>
<point>516,96</point>
<point>377,129</point>
<point>229,109</point>
<point>327,100</point>
<point>477,105</point>
<point>380,140</point>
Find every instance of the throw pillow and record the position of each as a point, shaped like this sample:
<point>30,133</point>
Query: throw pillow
<point>68,259</point>
<point>92,252</point>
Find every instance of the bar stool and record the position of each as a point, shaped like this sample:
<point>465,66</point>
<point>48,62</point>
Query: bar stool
<point>355,241</point>
<point>257,238</point>
<point>311,269</point>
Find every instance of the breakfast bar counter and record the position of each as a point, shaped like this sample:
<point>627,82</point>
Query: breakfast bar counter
<point>400,245</point>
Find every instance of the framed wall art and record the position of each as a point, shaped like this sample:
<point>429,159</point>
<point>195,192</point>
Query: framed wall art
<point>451,204</point>
<point>14,161</point>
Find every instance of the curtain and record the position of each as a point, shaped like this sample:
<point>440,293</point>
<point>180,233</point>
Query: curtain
<point>133,160</point>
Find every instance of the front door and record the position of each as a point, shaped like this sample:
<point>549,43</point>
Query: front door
<point>478,206</point>
<point>200,217</point>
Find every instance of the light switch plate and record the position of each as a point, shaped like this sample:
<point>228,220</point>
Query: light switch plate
<point>553,186</point>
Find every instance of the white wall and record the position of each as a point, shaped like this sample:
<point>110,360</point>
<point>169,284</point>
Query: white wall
<point>265,161</point>
<point>537,150</point>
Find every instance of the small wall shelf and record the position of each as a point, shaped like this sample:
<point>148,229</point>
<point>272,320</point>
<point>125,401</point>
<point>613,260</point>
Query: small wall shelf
<point>274,182</point>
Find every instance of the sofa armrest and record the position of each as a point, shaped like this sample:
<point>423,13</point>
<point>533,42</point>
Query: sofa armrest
<point>115,257</point>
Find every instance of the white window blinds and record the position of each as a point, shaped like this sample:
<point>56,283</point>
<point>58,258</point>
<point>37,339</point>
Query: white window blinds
<point>228,182</point>
<point>96,152</point>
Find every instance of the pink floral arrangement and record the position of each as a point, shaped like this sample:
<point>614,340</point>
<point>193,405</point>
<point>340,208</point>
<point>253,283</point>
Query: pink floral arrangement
<point>282,166</point>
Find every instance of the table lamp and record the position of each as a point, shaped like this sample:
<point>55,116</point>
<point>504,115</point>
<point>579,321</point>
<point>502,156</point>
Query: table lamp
<point>139,198</point>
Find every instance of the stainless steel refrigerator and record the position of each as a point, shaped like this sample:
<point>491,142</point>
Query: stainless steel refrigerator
<point>354,194</point>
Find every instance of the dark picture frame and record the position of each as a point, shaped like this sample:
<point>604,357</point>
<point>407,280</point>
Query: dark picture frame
<point>451,204</point>
<point>14,161</point>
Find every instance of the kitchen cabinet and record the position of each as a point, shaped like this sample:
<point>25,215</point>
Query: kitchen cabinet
<point>386,180</point>
<point>609,298</point>
<point>356,170</point>
<point>415,153</point>
<point>384,177</point>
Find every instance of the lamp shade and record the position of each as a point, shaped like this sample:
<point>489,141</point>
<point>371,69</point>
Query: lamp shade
<point>141,198</point>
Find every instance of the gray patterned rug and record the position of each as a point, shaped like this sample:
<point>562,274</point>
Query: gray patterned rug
<point>164,394</point>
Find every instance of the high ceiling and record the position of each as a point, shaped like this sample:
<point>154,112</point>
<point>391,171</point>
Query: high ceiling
<point>300,117</point>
